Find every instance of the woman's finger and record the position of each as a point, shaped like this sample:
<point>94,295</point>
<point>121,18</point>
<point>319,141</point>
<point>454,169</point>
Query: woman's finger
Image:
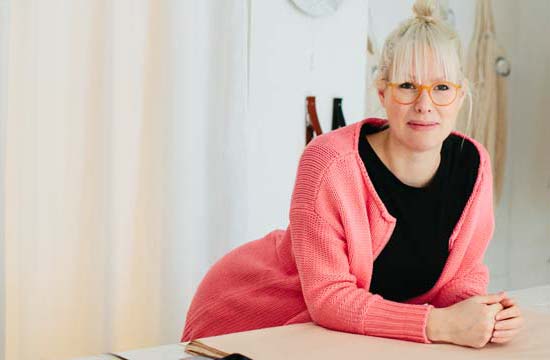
<point>513,323</point>
<point>490,298</point>
<point>512,311</point>
<point>500,340</point>
<point>505,333</point>
<point>508,302</point>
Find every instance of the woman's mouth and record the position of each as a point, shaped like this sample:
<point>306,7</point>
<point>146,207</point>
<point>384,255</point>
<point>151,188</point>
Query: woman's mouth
<point>422,125</point>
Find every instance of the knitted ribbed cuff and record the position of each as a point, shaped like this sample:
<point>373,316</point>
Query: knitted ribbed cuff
<point>397,320</point>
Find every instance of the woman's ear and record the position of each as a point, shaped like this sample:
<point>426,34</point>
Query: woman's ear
<point>381,90</point>
<point>382,97</point>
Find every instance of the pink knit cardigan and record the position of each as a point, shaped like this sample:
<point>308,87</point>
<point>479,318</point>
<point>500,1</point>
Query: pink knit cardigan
<point>319,269</point>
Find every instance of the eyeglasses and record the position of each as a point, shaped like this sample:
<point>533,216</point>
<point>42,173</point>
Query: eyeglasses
<point>442,93</point>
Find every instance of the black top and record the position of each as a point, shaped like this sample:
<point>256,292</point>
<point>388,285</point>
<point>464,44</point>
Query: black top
<point>414,257</point>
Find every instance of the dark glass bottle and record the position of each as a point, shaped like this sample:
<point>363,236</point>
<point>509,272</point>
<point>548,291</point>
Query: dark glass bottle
<point>338,120</point>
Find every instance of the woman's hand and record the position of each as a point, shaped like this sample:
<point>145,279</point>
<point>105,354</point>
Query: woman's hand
<point>469,323</point>
<point>509,322</point>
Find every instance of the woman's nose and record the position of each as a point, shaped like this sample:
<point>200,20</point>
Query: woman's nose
<point>423,104</point>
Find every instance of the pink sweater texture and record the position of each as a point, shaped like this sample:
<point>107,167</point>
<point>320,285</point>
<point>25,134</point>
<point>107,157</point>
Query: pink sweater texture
<point>319,269</point>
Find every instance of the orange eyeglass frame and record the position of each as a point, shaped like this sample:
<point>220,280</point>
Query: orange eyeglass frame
<point>428,89</point>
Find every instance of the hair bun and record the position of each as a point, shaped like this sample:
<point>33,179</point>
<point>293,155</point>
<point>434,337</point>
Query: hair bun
<point>426,9</point>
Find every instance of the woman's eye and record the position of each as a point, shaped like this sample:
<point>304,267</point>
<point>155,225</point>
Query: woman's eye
<point>441,87</point>
<point>406,85</point>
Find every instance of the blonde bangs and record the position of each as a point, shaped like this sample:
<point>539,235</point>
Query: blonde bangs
<point>423,52</point>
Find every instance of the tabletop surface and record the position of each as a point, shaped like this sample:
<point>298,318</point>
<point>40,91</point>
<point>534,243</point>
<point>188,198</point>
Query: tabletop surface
<point>533,301</point>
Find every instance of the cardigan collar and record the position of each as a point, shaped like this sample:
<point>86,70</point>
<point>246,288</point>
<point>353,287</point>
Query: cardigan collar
<point>378,122</point>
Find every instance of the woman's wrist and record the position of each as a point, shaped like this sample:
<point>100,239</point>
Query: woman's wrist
<point>437,329</point>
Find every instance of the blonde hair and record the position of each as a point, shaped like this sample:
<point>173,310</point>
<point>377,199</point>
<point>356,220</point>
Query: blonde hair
<point>414,42</point>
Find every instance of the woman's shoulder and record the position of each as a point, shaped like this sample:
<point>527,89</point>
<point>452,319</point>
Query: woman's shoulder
<point>340,142</point>
<point>323,150</point>
<point>328,161</point>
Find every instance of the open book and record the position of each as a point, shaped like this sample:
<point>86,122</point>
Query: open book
<point>197,347</point>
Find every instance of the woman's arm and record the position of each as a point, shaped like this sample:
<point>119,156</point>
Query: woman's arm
<point>465,315</point>
<point>330,290</point>
<point>472,275</point>
<point>464,287</point>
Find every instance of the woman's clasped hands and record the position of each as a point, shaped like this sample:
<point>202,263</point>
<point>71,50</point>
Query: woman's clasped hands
<point>476,321</point>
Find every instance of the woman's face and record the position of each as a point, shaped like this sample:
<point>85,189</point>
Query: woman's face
<point>421,126</point>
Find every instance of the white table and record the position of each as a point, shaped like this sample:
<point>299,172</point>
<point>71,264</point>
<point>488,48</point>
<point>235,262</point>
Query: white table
<point>535,298</point>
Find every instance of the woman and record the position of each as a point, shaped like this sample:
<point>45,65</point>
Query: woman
<point>389,220</point>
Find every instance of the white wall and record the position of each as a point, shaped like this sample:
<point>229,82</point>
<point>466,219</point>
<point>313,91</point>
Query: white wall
<point>528,227</point>
<point>293,56</point>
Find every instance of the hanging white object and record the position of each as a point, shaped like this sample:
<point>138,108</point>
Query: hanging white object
<point>502,66</point>
<point>317,8</point>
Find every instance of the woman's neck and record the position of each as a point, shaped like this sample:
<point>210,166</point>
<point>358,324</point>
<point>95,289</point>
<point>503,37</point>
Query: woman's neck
<point>412,168</point>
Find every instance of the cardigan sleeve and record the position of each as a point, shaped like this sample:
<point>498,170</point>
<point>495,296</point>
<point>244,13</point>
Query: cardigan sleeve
<point>331,292</point>
<point>472,276</point>
<point>461,288</point>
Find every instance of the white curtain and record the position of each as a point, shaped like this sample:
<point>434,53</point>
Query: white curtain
<point>124,162</point>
